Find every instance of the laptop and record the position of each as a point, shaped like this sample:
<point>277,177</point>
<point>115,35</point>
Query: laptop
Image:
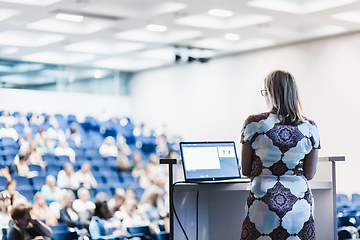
<point>209,161</point>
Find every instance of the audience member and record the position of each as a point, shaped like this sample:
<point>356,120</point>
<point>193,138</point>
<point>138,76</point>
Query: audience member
<point>63,149</point>
<point>11,191</point>
<point>102,225</point>
<point>117,201</point>
<point>147,178</point>
<point>28,134</point>
<point>162,148</point>
<point>35,119</point>
<point>132,218</point>
<point>130,193</point>
<point>137,165</point>
<point>5,172</point>
<point>85,177</point>
<point>50,191</point>
<point>8,132</point>
<point>152,205</point>
<point>83,204</point>
<point>108,147</point>
<point>22,168</point>
<point>6,118</point>
<point>21,119</point>
<point>123,147</point>
<point>35,157</point>
<point>4,210</point>
<point>25,227</point>
<point>67,177</point>
<point>41,211</point>
<point>67,214</point>
<point>122,164</point>
<point>54,132</point>
<point>72,134</point>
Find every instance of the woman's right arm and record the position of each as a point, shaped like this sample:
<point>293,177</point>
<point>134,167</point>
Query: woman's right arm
<point>246,159</point>
<point>310,162</point>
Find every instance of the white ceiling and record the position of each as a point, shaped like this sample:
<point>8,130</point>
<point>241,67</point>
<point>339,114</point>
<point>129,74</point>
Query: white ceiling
<point>113,33</point>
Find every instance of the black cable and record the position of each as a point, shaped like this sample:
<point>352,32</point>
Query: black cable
<point>197,215</point>
<point>173,206</point>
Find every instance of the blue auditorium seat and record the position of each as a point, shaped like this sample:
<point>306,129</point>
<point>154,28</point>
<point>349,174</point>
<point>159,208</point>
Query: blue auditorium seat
<point>65,236</point>
<point>6,141</point>
<point>38,182</point>
<point>28,194</point>
<point>163,236</point>
<point>106,190</point>
<point>34,128</point>
<point>71,118</point>
<point>19,127</point>
<point>22,182</point>
<point>53,167</point>
<point>50,158</point>
<point>36,168</point>
<point>62,160</point>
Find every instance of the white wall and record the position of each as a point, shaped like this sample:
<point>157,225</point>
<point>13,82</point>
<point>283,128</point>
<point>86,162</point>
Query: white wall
<point>211,101</point>
<point>79,104</point>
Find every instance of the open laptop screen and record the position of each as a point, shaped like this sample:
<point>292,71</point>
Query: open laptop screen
<point>209,161</point>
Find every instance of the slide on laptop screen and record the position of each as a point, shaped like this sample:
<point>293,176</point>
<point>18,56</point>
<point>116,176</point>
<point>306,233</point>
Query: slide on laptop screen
<point>209,161</point>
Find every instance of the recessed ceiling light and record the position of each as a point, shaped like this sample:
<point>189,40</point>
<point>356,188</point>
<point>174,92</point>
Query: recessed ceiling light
<point>69,17</point>
<point>97,74</point>
<point>156,28</point>
<point>232,36</point>
<point>220,13</point>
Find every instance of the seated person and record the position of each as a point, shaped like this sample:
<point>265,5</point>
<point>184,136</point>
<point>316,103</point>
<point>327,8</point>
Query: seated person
<point>123,146</point>
<point>67,177</point>
<point>50,191</point>
<point>63,149</point>
<point>152,206</point>
<point>117,201</point>
<point>85,177</point>
<point>21,167</point>
<point>4,211</point>
<point>132,217</point>
<point>9,132</point>
<point>122,164</point>
<point>72,134</point>
<point>35,156</point>
<point>67,214</point>
<point>11,191</point>
<point>41,211</point>
<point>83,204</point>
<point>102,226</point>
<point>108,147</point>
<point>25,227</point>
<point>136,164</point>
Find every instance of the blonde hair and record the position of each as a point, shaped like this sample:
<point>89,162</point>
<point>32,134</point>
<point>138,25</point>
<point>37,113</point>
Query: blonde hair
<point>282,90</point>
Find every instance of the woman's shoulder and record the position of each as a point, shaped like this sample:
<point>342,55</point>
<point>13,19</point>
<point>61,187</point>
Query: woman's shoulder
<point>309,121</point>
<point>256,117</point>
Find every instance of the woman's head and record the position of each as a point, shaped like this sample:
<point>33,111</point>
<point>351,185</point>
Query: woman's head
<point>21,214</point>
<point>39,199</point>
<point>68,198</point>
<point>282,96</point>
<point>102,210</point>
<point>11,186</point>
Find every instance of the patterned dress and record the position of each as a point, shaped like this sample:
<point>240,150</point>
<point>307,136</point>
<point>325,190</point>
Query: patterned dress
<point>280,203</point>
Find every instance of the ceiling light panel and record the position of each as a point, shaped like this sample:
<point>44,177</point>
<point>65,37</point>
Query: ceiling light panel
<point>351,16</point>
<point>133,8</point>
<point>238,20</point>
<point>128,64</point>
<point>22,38</point>
<point>232,37</point>
<point>299,7</point>
<point>6,13</point>
<point>220,13</point>
<point>230,46</point>
<point>33,2</point>
<point>58,57</point>
<point>69,17</point>
<point>81,28</point>
<point>169,36</point>
<point>156,28</point>
<point>101,46</point>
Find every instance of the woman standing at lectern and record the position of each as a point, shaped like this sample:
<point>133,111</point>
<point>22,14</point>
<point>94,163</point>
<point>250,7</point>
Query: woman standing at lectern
<point>279,154</point>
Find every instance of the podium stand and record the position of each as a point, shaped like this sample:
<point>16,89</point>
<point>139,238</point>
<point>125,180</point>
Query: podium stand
<point>215,211</point>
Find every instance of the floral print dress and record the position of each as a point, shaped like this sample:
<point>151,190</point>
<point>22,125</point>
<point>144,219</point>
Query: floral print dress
<point>280,203</point>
